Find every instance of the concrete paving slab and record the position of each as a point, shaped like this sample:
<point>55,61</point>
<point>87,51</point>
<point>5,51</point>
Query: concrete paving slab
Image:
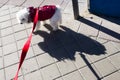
<point>4,18</point>
<point>10,70</point>
<point>87,74</point>
<point>8,30</point>
<point>73,76</point>
<point>18,27</point>
<point>87,30</point>
<point>10,48</point>
<point>4,12</point>
<point>112,26</point>
<point>1,51</point>
<point>29,66</point>
<point>117,45</point>
<point>37,50</point>
<point>66,66</point>
<point>44,60</point>
<point>61,53</point>
<point>37,39</point>
<point>1,62</point>
<point>114,76</point>
<point>8,39</point>
<point>51,72</point>
<point>110,48</point>
<point>20,43</point>
<point>102,65</point>
<point>95,58</point>
<point>21,35</point>
<point>79,62</point>
<point>115,60</point>
<point>35,3</point>
<point>5,24</point>
<point>2,75</point>
<point>53,2</point>
<point>10,59</point>
<point>17,3</point>
<point>5,7</point>
<point>33,76</point>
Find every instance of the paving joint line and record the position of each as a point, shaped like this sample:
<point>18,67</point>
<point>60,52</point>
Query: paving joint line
<point>15,32</point>
<point>6,20</point>
<point>109,40</point>
<point>18,50</point>
<point>99,29</point>
<point>115,46</point>
<point>3,9</point>
<point>8,13</point>
<point>9,26</point>
<point>92,63</point>
<point>41,2</point>
<point>66,5</point>
<point>112,62</point>
<point>14,40</point>
<point>54,78</point>
<point>9,65</point>
<point>111,73</point>
<point>3,4</point>
<point>18,61</point>
<point>22,2</point>
<point>3,56</point>
<point>79,28</point>
<point>104,58</point>
<point>59,71</point>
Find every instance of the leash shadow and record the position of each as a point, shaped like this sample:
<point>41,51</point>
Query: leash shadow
<point>63,44</point>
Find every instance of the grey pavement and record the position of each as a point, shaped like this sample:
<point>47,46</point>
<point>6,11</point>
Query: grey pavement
<point>84,49</point>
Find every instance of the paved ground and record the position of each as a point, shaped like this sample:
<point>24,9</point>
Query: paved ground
<point>85,49</point>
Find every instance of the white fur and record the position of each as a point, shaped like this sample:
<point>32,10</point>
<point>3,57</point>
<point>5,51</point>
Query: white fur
<point>23,16</point>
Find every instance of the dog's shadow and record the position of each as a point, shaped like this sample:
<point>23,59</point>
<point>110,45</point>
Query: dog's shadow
<point>63,44</point>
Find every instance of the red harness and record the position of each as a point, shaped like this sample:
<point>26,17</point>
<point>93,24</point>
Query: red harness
<point>45,12</point>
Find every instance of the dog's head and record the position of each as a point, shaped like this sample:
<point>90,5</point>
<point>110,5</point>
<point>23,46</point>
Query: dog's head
<point>23,16</point>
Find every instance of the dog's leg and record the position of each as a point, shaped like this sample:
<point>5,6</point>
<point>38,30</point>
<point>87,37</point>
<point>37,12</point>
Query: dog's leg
<point>60,18</point>
<point>56,19</point>
<point>43,23</point>
<point>37,26</point>
<point>54,25</point>
<point>60,21</point>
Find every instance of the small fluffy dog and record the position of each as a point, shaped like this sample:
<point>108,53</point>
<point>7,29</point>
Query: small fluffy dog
<point>47,12</point>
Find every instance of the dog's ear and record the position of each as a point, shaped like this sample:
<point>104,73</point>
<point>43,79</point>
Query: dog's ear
<point>30,8</point>
<point>31,13</point>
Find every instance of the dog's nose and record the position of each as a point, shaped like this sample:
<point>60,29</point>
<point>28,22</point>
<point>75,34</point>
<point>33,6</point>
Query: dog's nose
<point>21,23</point>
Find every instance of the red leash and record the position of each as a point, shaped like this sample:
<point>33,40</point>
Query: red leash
<point>26,45</point>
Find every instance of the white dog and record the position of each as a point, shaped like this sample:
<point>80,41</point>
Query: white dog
<point>51,12</point>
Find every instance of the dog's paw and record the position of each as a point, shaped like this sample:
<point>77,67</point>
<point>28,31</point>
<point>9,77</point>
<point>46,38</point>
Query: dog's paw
<point>56,31</point>
<point>55,28</point>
